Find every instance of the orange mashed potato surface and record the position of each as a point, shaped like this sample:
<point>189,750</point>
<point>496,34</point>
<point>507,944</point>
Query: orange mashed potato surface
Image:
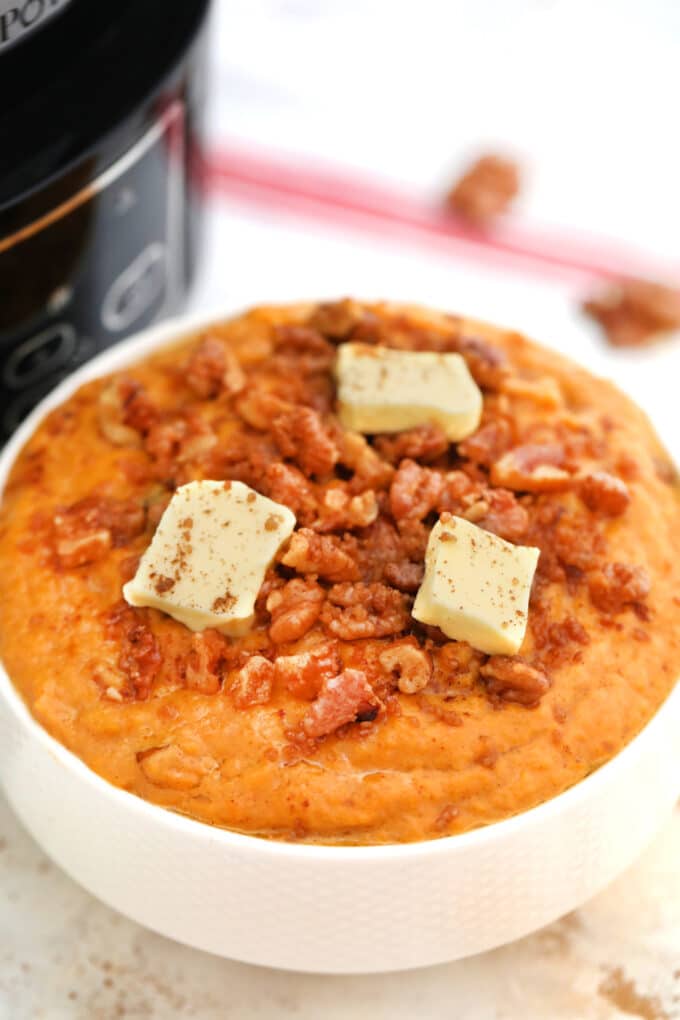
<point>421,736</point>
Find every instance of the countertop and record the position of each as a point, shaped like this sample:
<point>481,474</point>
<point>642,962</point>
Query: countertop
<point>65,956</point>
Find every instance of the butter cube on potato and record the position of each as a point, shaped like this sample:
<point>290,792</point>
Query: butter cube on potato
<point>208,557</point>
<point>476,586</point>
<point>386,390</point>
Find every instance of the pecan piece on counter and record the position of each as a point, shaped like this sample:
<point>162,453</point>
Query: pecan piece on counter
<point>635,312</point>
<point>486,189</point>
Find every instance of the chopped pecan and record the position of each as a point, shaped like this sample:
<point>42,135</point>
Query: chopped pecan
<point>617,586</point>
<point>556,641</point>
<point>424,443</point>
<point>634,312</point>
<point>487,444</point>
<point>294,609</point>
<point>304,673</point>
<point>337,319</point>
<point>206,662</point>
<point>415,491</point>
<point>604,493</point>
<point>576,543</point>
<point>85,531</point>
<point>341,511</point>
<point>413,536</point>
<point>343,699</point>
<point>330,557</point>
<point>512,679</point>
<point>364,610</point>
<point>301,436</point>
<point>545,391</point>
<point>488,365</point>
<point>308,350</point>
<point>257,408</point>
<point>140,658</point>
<point>213,369</point>
<point>486,189</point>
<point>411,666</point>
<point>370,470</point>
<point>113,408</point>
<point>286,484</point>
<point>252,684</point>
<point>535,467</point>
<point>404,575</point>
<point>175,442</point>
<point>498,511</point>
<point>459,491</point>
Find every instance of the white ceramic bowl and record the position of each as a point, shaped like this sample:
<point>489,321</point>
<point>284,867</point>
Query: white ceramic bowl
<point>318,908</point>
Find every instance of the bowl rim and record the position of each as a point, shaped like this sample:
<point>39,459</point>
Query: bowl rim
<point>117,357</point>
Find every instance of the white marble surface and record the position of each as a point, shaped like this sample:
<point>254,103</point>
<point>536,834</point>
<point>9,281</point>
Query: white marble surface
<point>64,956</point>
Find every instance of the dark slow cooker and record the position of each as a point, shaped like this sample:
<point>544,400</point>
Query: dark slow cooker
<point>100,117</point>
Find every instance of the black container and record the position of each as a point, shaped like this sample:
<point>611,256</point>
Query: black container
<point>100,124</point>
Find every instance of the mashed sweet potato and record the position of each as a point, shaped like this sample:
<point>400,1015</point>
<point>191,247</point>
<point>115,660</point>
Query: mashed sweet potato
<point>420,736</point>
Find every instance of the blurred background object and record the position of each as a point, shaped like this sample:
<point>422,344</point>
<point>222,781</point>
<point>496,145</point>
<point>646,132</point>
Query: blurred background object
<point>99,213</point>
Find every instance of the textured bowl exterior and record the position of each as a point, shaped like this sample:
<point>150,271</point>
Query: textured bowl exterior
<point>318,908</point>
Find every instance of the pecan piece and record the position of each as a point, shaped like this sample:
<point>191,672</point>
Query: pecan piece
<point>618,585</point>
<point>252,684</point>
<point>364,610</point>
<point>633,312</point>
<point>341,511</point>
<point>304,673</point>
<point>511,679</point>
<point>301,436</point>
<point>535,467</point>
<point>337,319</point>
<point>488,443</point>
<point>486,189</point>
<point>213,369</point>
<point>326,555</point>
<point>411,666</point>
<point>294,609</point>
<point>343,699</point>
<point>415,491</point>
<point>604,494</point>
<point>424,443</point>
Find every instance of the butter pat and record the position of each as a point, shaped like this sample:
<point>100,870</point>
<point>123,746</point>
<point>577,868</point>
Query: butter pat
<point>209,555</point>
<point>476,586</point>
<point>384,390</point>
